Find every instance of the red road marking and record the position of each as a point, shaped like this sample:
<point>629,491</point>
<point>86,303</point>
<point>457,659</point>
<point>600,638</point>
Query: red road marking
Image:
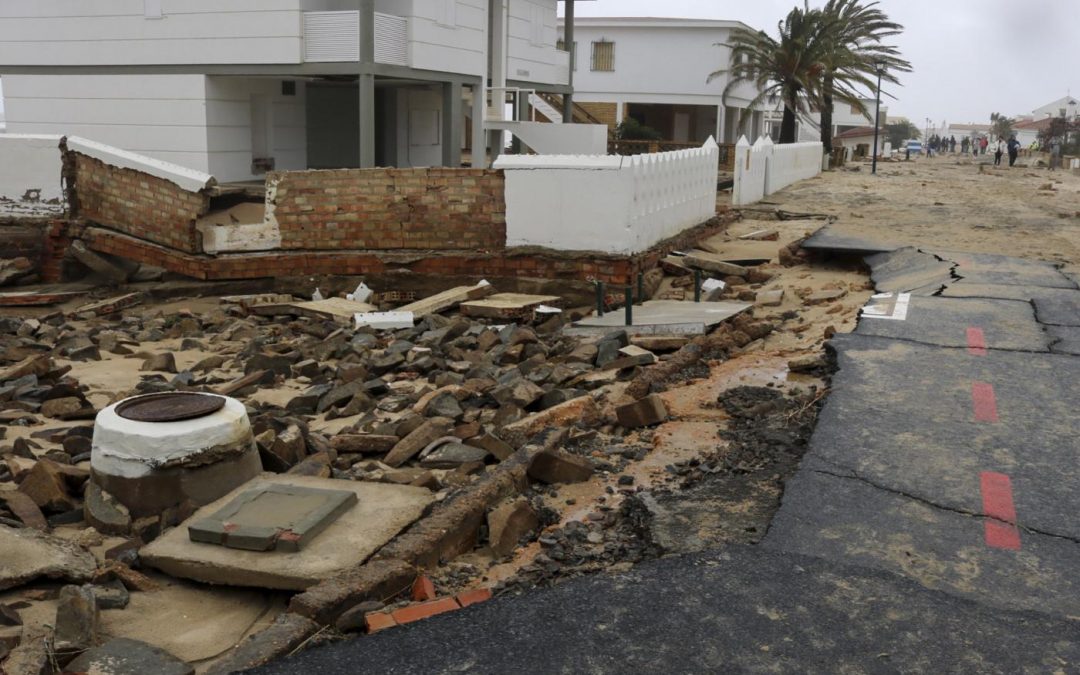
<point>1000,528</point>
<point>976,341</point>
<point>982,395</point>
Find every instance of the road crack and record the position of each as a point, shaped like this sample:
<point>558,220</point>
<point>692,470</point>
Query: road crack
<point>852,475</point>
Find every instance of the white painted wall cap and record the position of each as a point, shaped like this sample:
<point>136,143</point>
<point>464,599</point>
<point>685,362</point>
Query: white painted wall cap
<point>187,179</point>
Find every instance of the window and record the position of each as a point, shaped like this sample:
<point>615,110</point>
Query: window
<point>603,56</point>
<point>561,46</point>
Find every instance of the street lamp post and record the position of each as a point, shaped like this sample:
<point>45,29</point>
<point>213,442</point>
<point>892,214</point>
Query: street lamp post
<point>877,115</point>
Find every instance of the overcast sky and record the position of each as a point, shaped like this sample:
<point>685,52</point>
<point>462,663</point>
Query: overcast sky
<point>970,57</point>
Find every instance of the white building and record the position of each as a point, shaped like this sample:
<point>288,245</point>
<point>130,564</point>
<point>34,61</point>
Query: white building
<point>808,127</point>
<point>237,87</point>
<point>656,70</point>
<point>1067,106</point>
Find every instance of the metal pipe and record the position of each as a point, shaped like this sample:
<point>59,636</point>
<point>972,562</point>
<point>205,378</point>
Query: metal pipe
<point>640,287</point>
<point>599,298</point>
<point>877,117</point>
<point>629,305</point>
<point>697,285</point>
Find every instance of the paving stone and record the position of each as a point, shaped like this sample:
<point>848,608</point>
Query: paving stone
<point>828,295</point>
<point>61,408</point>
<point>272,517</point>
<point>25,509</point>
<point>557,466</point>
<point>493,444</point>
<point>162,363</point>
<point>122,656</point>
<point>773,298</point>
<point>444,405</point>
<point>508,523</point>
<point>381,512</point>
<point>453,455</point>
<point>77,620</point>
<point>363,443</point>
<point>47,485</point>
<point>521,393</point>
<point>642,413</point>
<point>104,513</point>
<point>111,595</point>
<point>411,445</point>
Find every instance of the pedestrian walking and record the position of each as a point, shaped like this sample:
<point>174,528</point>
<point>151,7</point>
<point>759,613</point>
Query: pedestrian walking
<point>999,150</point>
<point>1014,149</point>
<point>984,143</point>
<point>965,145</point>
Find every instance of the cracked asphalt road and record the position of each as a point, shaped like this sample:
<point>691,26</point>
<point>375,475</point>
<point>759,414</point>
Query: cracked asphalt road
<point>930,528</point>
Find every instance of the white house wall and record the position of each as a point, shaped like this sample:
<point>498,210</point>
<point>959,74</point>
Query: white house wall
<point>447,35</point>
<point>229,120</point>
<point>531,54</point>
<point>108,32</point>
<point>656,64</point>
<point>162,116</point>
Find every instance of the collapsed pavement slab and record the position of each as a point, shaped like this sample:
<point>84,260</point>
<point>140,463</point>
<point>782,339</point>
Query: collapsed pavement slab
<point>955,322</point>
<point>27,554</point>
<point>381,512</point>
<point>662,317</point>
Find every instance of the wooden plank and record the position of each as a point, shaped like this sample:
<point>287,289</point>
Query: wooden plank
<point>336,309</point>
<point>110,305</point>
<point>238,384</point>
<point>35,298</point>
<point>712,263</point>
<point>506,305</point>
<point>441,302</point>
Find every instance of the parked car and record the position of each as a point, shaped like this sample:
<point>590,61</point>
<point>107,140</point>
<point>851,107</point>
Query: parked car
<point>913,147</point>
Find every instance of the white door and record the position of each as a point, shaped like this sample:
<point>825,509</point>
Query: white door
<point>682,127</point>
<point>425,127</point>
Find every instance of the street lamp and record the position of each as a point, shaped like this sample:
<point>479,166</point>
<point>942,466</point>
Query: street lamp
<point>880,67</point>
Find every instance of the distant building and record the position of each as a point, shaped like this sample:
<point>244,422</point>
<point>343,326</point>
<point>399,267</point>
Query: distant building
<point>1067,106</point>
<point>656,70</point>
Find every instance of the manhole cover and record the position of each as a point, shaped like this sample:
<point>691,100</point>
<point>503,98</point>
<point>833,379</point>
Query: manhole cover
<point>169,407</point>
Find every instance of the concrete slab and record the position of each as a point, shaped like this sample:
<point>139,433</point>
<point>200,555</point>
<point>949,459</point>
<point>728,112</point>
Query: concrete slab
<point>832,239</point>
<point>851,520</point>
<point>27,554</point>
<point>662,316</point>
<point>984,268</point>
<point>909,270</point>
<point>1053,306</point>
<point>274,517</point>
<point>382,511</point>
<point>506,305</point>
<point>928,422</point>
<point>959,322</point>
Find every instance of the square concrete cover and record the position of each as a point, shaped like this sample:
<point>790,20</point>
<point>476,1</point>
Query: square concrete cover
<point>381,512</point>
<point>273,517</point>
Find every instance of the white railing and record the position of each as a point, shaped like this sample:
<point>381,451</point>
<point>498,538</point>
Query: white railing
<point>608,203</point>
<point>764,168</point>
<point>334,37</point>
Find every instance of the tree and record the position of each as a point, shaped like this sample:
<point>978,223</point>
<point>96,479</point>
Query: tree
<point>1001,125</point>
<point>900,131</point>
<point>788,67</point>
<point>1064,130</point>
<point>632,130</point>
<point>853,52</point>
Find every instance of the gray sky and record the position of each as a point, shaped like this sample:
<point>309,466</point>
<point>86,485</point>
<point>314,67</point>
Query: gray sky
<point>970,57</point>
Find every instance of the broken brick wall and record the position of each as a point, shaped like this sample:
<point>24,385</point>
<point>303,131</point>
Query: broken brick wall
<point>380,209</point>
<point>139,204</point>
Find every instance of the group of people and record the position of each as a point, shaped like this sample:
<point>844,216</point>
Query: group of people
<point>1001,146</point>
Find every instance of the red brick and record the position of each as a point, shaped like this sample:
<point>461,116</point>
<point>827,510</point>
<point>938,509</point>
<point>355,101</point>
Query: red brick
<point>423,588</point>
<point>425,610</point>
<point>377,621</point>
<point>473,597</point>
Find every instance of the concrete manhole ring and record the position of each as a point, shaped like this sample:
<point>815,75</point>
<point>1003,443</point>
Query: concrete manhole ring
<point>169,406</point>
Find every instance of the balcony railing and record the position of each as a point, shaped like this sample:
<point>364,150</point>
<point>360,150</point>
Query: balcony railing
<point>334,37</point>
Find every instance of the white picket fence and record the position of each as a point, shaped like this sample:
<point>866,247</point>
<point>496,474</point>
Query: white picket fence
<point>764,168</point>
<point>608,203</point>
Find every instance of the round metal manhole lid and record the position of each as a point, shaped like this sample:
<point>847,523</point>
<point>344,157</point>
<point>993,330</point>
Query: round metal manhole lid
<point>169,407</point>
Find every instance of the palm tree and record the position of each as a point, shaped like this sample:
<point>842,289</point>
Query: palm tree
<point>788,68</point>
<point>853,52</point>
<point>1001,125</point>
